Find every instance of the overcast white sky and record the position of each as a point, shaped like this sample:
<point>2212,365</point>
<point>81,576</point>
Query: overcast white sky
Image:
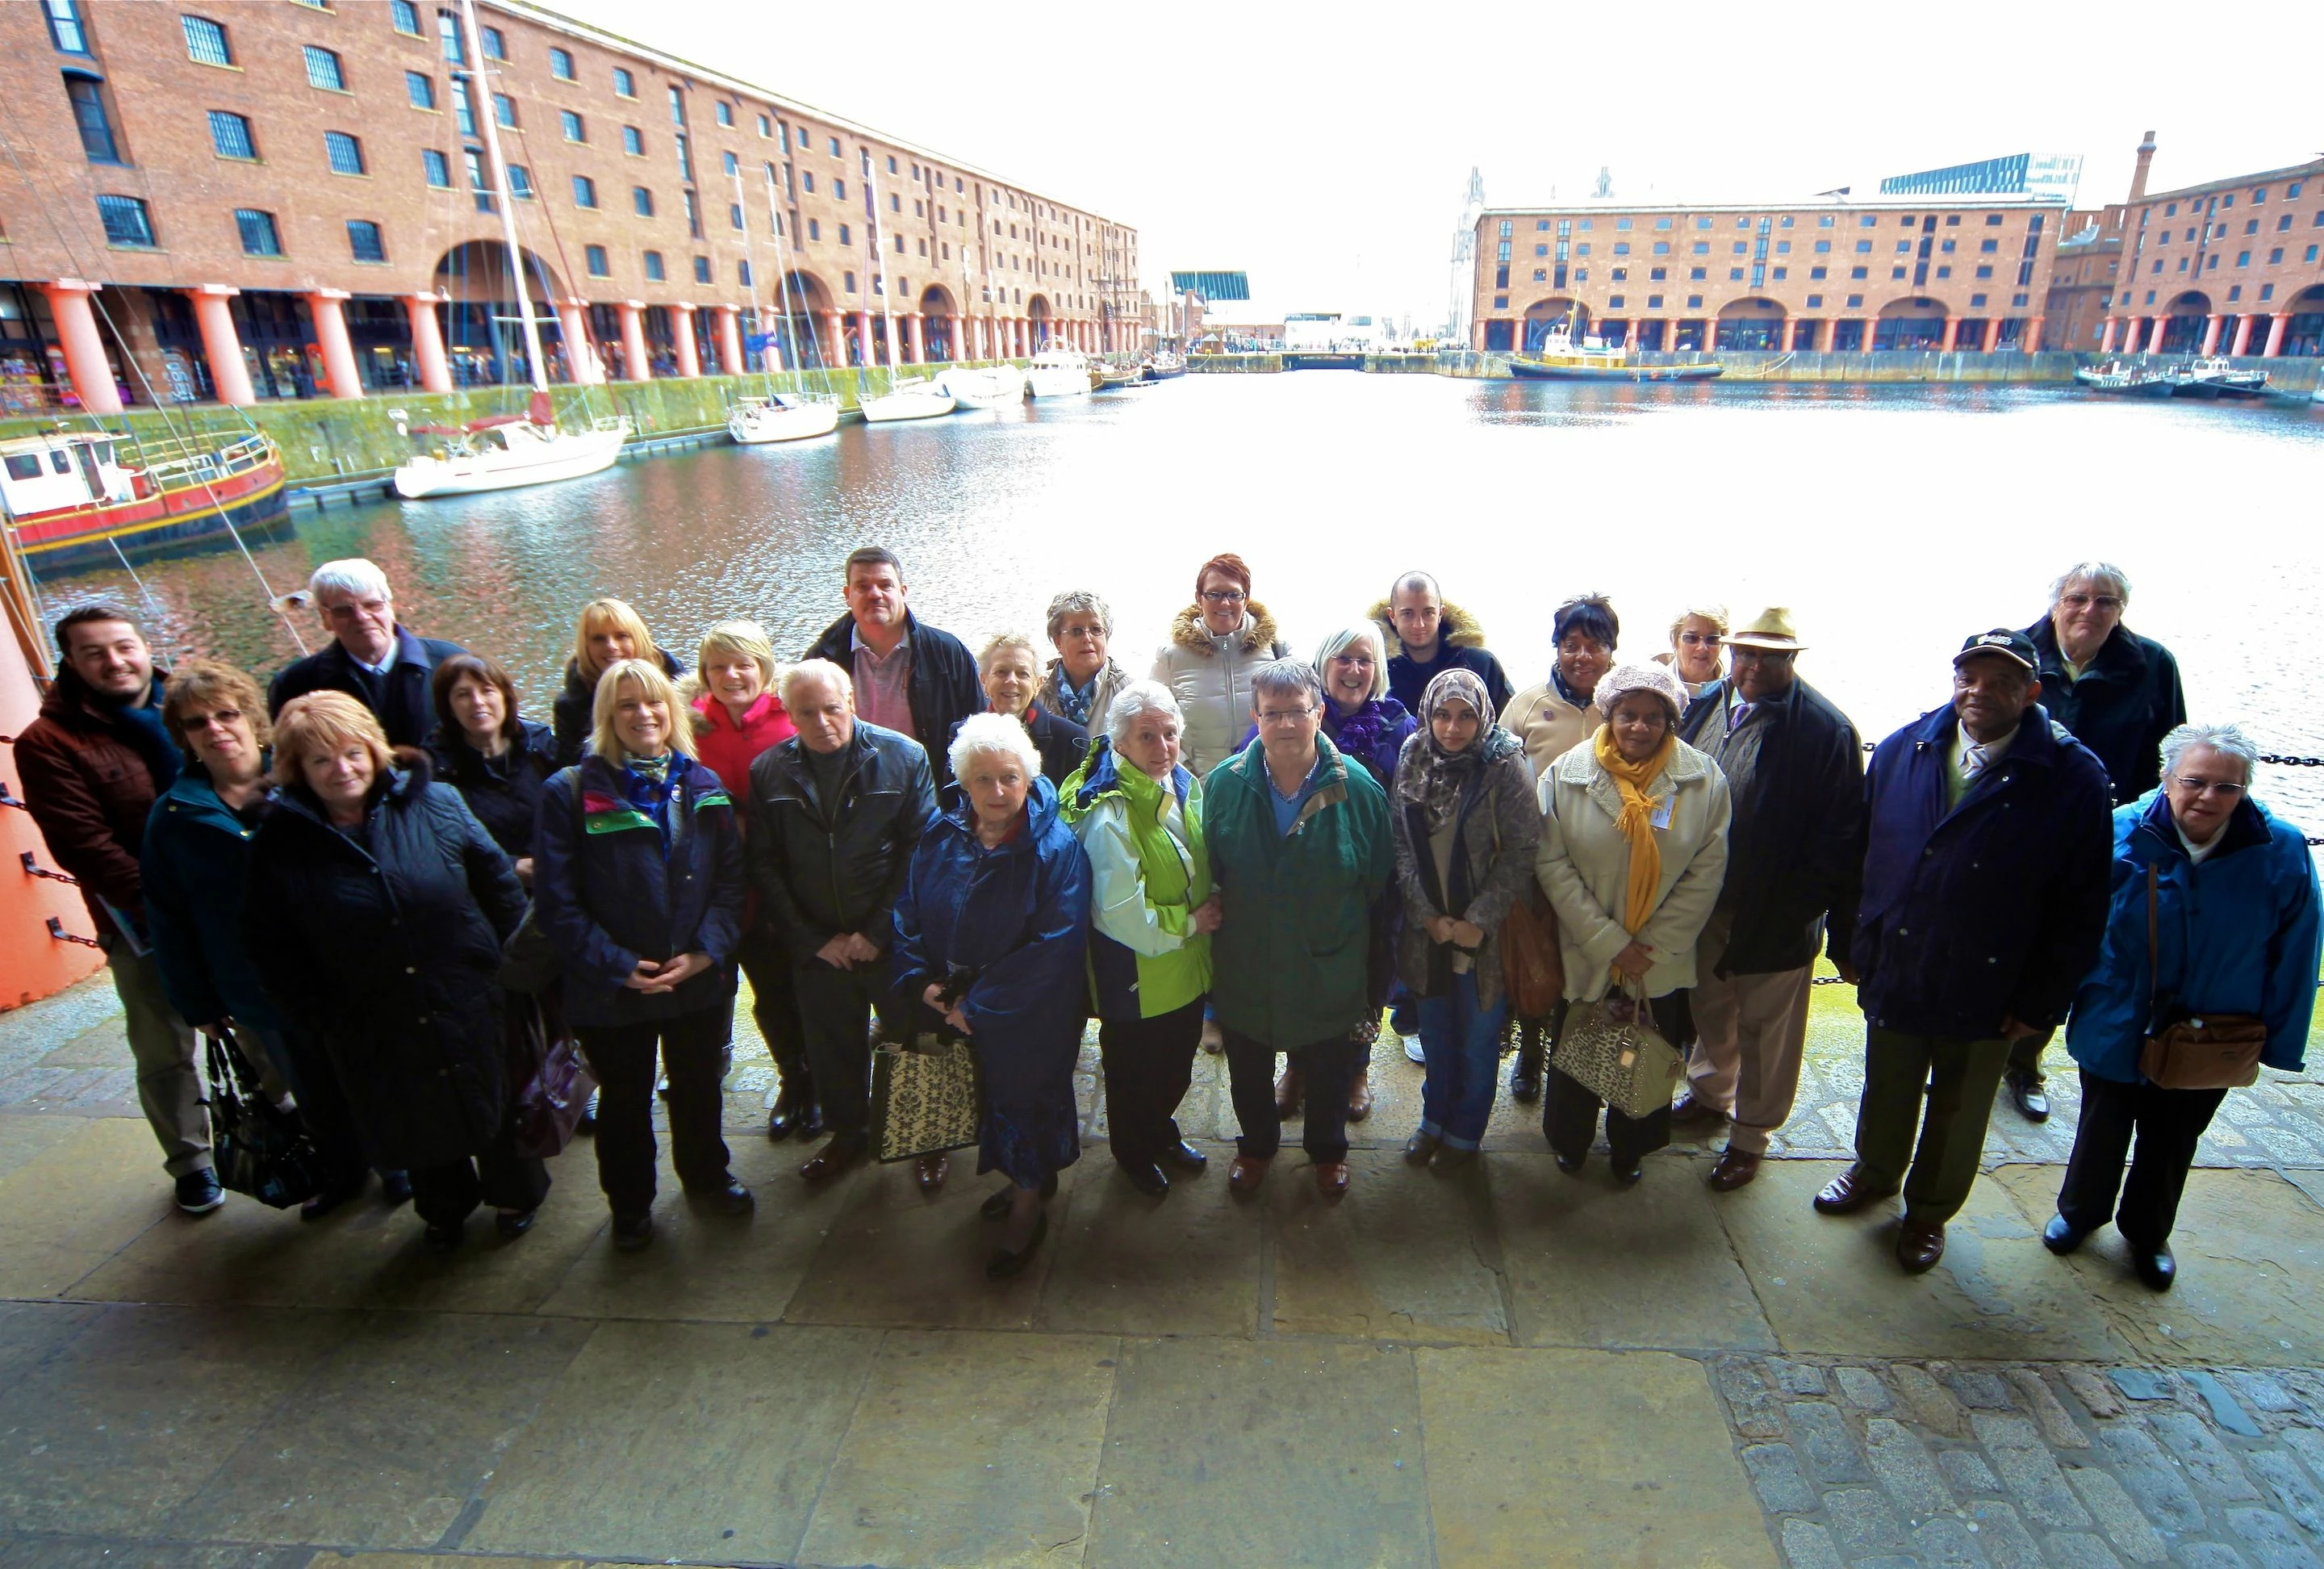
<point>1326,151</point>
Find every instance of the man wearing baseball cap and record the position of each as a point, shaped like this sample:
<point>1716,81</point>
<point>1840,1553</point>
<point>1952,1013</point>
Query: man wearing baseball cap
<point>1983,906</point>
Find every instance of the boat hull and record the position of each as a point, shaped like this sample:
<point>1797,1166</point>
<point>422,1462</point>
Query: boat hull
<point>897,407</point>
<point>986,388</point>
<point>255,500</point>
<point>2153,387</point>
<point>1535,371</point>
<point>2226,391</point>
<point>757,427</point>
<point>567,457</point>
<point>1057,383</point>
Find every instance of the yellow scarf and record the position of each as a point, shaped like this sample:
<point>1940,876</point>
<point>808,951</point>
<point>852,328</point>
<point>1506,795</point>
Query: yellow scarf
<point>1635,822</point>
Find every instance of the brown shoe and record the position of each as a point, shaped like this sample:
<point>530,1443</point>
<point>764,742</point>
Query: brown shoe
<point>1289,1091</point>
<point>1691,1111</point>
<point>932,1171</point>
<point>1919,1245</point>
<point>1736,1168</point>
<point>835,1156</point>
<point>1331,1178</point>
<point>1848,1192</point>
<point>1247,1173</point>
<point>1359,1094</point>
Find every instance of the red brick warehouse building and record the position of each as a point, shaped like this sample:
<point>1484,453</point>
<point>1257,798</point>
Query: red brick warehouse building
<point>1950,273</point>
<point>286,198</point>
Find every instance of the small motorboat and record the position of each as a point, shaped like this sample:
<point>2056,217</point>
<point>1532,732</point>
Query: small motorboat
<point>505,451</point>
<point>990,387</point>
<point>1593,359</point>
<point>914,398</point>
<point>2125,379</point>
<point>1164,366</point>
<point>73,498</point>
<point>2216,377</point>
<point>1106,376</point>
<point>782,417</point>
<point>1059,372</point>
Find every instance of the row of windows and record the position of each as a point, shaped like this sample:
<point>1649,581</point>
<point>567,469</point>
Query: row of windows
<point>2243,259</point>
<point>129,222</point>
<point>1824,221</point>
<point>2228,199</point>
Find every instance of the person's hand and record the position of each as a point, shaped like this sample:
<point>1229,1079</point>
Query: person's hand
<point>1633,962</point>
<point>642,978</point>
<point>2013,1030</point>
<point>860,949</point>
<point>524,869</point>
<point>1439,929</point>
<point>836,952</point>
<point>677,972</point>
<point>1208,915</point>
<point>1466,934</point>
<point>958,1019</point>
<point>1847,972</point>
<point>933,995</point>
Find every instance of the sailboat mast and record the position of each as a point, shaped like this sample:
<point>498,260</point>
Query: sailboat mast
<point>498,168</point>
<point>879,259</point>
<point>782,275</point>
<point>751,260</point>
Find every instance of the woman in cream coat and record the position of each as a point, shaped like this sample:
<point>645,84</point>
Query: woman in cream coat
<point>1633,802</point>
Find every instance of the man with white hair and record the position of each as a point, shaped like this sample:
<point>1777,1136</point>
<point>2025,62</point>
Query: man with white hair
<point>835,812</point>
<point>372,658</point>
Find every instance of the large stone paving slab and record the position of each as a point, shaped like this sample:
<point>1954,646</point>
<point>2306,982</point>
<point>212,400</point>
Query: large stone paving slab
<point>1593,1264</point>
<point>1404,1256</point>
<point>969,1449</point>
<point>706,1443</point>
<point>68,1209</point>
<point>1582,1457</point>
<point>1187,1263</point>
<point>1293,1452</point>
<point>384,1443</point>
<point>1831,1283</point>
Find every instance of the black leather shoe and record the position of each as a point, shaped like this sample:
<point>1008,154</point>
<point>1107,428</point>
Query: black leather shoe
<point>1004,1264</point>
<point>445,1239</point>
<point>734,1199</point>
<point>1691,1111</point>
<point>198,1192</point>
<point>787,1114</point>
<point>512,1223</point>
<point>811,1124</point>
<point>1629,1176</point>
<point>2155,1266</point>
<point>1147,1179</point>
<point>1525,1076</point>
<point>395,1186</point>
<point>2060,1237</point>
<point>996,1204</point>
<point>1570,1164</point>
<point>1848,1192</point>
<point>2026,1095</point>
<point>631,1232</point>
<point>1186,1158</point>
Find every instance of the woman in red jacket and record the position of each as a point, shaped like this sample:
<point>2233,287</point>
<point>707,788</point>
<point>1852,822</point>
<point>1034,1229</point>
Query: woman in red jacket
<point>738,714</point>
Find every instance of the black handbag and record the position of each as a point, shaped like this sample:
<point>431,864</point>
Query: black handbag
<point>258,1148</point>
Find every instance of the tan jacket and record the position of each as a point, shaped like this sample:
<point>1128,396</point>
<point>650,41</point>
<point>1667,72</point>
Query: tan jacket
<point>1211,678</point>
<point>1548,725</point>
<point>1583,864</point>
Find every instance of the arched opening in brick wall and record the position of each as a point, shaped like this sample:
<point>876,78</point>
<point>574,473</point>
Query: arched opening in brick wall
<point>483,337</point>
<point>1543,314</point>
<point>1917,323</point>
<point>1750,324</point>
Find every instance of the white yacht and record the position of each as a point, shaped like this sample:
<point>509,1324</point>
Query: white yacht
<point>506,451</point>
<point>984,387</point>
<point>914,398</point>
<point>1057,372</point>
<point>782,417</point>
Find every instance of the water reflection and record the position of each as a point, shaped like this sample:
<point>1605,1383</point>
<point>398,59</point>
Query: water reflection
<point>1893,519</point>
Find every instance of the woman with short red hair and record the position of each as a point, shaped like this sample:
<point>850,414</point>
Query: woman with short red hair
<point>1216,643</point>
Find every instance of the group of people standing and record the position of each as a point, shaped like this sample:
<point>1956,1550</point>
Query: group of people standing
<point>1247,850</point>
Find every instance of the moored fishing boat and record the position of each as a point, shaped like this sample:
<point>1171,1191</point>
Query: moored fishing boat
<point>2125,379</point>
<point>1163,365</point>
<point>1560,359</point>
<point>72,498</point>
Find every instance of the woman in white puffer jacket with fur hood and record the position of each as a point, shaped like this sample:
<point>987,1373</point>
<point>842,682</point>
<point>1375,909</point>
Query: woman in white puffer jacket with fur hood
<point>1215,645</point>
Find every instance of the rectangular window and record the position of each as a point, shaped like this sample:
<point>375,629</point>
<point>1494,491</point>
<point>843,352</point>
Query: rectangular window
<point>504,110</point>
<point>624,83</point>
<point>702,269</point>
<point>1698,275</point>
<point>495,45</point>
<point>259,235</point>
<point>634,142</point>
<point>1817,274</point>
<point>1860,272</point>
<point>345,152</point>
<point>230,135</point>
<point>725,112</point>
<point>642,201</point>
<point>593,258</point>
<point>96,126</point>
<point>2275,255</point>
<point>766,127</point>
<point>843,237</point>
<point>420,89</point>
<point>834,146</point>
<point>1985,273</point>
<point>574,131</point>
<point>1863,247</point>
<point>2243,258</point>
<point>807,180</point>
<point>463,106</point>
<point>448,35</point>
<point>1701,247</point>
<point>742,273</point>
<point>1654,302</point>
<point>364,241</point>
<point>438,168</point>
<point>206,41</point>
<point>520,181</point>
<point>1662,247</point>
<point>323,71</point>
<point>584,191</point>
<point>693,216</point>
<point>127,221</point>
<point>732,164</point>
<point>1622,247</point>
<point>65,30</point>
<point>405,18</point>
<point>560,64</point>
<point>734,214</point>
<point>815,228</point>
<point>653,266</point>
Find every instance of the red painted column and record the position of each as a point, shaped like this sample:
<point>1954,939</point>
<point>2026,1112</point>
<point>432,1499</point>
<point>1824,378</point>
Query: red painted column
<point>85,357</point>
<point>331,335</point>
<point>2106,336</point>
<point>2031,342</point>
<point>2210,334</point>
<point>427,343</point>
<point>915,345</point>
<point>1830,334</point>
<point>835,333</point>
<point>1952,333</point>
<point>730,339</point>
<point>580,353</point>
<point>1992,333</point>
<point>2155,344</point>
<point>2275,326</point>
<point>681,325</point>
<point>633,339</point>
<point>222,344</point>
<point>2242,336</point>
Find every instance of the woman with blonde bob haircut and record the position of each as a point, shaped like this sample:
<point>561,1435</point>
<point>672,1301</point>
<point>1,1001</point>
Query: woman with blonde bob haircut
<point>608,631</point>
<point>374,912</point>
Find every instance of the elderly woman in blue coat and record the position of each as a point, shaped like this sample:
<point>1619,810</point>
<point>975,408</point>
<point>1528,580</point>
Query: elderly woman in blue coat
<point>637,881</point>
<point>991,931</point>
<point>2228,890</point>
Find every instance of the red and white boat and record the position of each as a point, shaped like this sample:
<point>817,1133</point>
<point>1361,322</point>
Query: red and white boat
<point>73,497</point>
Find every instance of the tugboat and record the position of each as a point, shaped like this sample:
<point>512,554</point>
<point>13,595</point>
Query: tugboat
<point>1595,360</point>
<point>2125,379</point>
<point>2217,378</point>
<point>72,498</point>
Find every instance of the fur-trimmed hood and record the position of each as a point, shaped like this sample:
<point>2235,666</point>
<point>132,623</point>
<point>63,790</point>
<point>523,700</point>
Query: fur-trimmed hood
<point>1258,631</point>
<point>1457,629</point>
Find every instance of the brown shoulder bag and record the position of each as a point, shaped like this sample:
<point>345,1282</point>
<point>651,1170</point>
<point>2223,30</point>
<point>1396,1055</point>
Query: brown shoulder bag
<point>2218,1052</point>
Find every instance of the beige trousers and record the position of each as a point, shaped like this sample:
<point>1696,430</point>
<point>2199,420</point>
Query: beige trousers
<point>1750,1032</point>
<point>169,1082</point>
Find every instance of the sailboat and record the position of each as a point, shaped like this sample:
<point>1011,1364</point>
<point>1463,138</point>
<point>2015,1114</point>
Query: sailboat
<point>781,416</point>
<point>503,451</point>
<point>914,397</point>
<point>1000,386</point>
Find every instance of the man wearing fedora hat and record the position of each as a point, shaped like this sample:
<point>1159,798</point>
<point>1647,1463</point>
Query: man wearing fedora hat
<point>1988,849</point>
<point>1796,768</point>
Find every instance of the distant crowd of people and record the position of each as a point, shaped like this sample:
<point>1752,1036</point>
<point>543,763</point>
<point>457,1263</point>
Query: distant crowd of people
<point>1273,856</point>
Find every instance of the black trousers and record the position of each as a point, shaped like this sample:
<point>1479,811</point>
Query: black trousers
<point>447,1195</point>
<point>1330,1066</point>
<point>1148,1064</point>
<point>1569,1112</point>
<point>622,1056</point>
<point>2025,1055</point>
<point>314,1082</point>
<point>836,1008</point>
<point>2168,1123</point>
<point>774,1002</point>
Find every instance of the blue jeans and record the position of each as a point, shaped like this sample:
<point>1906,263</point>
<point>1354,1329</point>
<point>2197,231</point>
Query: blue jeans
<point>1462,1043</point>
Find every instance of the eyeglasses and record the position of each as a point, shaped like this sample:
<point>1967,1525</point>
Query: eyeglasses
<point>1282,715</point>
<point>1695,639</point>
<point>347,609</point>
<point>2090,601</point>
<point>2209,787</point>
<point>1224,597</point>
<point>222,718</point>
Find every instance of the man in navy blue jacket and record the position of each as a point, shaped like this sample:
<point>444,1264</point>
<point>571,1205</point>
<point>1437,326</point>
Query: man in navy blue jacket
<point>372,658</point>
<point>1984,903</point>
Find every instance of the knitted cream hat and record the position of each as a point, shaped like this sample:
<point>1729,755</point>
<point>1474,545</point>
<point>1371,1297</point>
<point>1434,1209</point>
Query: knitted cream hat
<point>1655,678</point>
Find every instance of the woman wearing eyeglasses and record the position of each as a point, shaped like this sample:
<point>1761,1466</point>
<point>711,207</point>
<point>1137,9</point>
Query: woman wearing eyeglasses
<point>2222,892</point>
<point>2116,691</point>
<point>1216,644</point>
<point>1693,654</point>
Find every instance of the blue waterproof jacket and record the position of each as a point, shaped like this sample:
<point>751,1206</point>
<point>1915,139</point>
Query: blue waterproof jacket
<point>607,894</point>
<point>1017,914</point>
<point>1992,909</point>
<point>2238,933</point>
<point>195,855</point>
